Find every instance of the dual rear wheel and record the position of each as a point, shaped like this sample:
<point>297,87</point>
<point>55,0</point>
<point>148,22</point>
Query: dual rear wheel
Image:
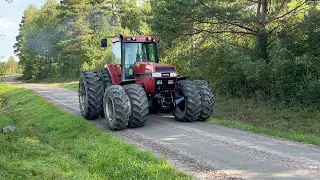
<point>194,101</point>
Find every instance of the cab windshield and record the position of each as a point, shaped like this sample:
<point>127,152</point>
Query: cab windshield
<point>139,52</point>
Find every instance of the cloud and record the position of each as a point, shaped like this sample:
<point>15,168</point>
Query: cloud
<point>6,23</point>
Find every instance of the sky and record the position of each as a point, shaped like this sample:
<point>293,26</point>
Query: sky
<point>10,18</point>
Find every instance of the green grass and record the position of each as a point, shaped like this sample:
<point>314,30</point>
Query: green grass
<point>299,124</point>
<point>69,85</point>
<point>52,144</point>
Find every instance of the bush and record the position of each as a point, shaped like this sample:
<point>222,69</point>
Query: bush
<point>286,79</point>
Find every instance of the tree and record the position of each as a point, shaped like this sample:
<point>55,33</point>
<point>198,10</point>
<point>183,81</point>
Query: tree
<point>253,21</point>
<point>258,48</point>
<point>253,48</point>
<point>12,66</point>
<point>3,68</point>
<point>60,39</point>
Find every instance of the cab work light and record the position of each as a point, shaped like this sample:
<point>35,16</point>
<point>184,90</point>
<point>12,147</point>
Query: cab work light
<point>131,38</point>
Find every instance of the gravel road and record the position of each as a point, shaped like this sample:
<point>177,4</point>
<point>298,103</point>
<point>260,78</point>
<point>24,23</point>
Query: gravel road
<point>206,151</point>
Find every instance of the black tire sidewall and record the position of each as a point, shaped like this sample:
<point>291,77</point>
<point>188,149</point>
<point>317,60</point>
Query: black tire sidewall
<point>177,112</point>
<point>192,102</point>
<point>84,111</point>
<point>93,101</point>
<point>109,123</point>
<point>121,109</point>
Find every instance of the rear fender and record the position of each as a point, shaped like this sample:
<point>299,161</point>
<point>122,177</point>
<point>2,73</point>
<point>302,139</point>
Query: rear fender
<point>182,78</point>
<point>128,81</point>
<point>115,73</point>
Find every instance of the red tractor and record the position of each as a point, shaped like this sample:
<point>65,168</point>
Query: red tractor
<point>124,91</point>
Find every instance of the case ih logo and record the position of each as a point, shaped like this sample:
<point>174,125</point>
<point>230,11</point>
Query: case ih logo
<point>165,74</point>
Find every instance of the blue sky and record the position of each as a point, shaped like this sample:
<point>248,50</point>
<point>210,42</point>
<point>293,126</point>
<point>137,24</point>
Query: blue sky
<point>10,18</point>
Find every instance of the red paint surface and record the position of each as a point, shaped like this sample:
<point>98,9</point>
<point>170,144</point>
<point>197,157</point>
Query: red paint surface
<point>147,68</point>
<point>115,72</point>
<point>139,39</point>
<point>139,68</point>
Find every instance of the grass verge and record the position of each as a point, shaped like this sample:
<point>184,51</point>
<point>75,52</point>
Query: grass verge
<point>50,143</point>
<point>298,124</point>
<point>69,85</point>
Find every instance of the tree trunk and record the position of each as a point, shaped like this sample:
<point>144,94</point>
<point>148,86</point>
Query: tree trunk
<point>262,33</point>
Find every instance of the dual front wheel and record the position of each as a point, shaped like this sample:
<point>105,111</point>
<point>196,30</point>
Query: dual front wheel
<point>125,106</point>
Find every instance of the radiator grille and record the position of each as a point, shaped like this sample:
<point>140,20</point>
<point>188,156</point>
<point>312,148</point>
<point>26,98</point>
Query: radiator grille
<point>165,69</point>
<point>165,86</point>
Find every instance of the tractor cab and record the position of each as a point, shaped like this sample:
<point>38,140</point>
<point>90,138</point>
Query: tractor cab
<point>135,58</point>
<point>141,50</point>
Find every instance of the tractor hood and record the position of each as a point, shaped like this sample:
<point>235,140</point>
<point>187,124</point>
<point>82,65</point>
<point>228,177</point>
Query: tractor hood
<point>154,69</point>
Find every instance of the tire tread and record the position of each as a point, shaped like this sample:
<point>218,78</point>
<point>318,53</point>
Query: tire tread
<point>207,99</point>
<point>93,88</point>
<point>139,105</point>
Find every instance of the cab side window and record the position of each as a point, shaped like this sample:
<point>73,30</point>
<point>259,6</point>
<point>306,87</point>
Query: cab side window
<point>116,53</point>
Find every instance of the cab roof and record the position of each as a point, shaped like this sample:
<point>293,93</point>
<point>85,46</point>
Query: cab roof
<point>136,39</point>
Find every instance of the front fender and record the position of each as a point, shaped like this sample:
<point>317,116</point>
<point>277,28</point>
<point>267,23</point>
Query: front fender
<point>182,78</point>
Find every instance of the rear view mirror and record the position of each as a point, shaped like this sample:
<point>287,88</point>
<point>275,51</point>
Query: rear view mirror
<point>104,43</point>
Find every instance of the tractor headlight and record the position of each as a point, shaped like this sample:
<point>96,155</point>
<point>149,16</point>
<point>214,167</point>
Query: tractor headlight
<point>149,38</point>
<point>159,82</point>
<point>170,82</point>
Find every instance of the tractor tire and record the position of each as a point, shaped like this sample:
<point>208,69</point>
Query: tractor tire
<point>189,111</point>
<point>105,82</point>
<point>139,105</point>
<point>116,105</point>
<point>105,79</point>
<point>207,99</point>
<point>90,95</point>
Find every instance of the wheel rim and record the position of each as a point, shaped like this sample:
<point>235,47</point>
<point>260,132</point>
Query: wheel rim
<point>82,97</point>
<point>109,109</point>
